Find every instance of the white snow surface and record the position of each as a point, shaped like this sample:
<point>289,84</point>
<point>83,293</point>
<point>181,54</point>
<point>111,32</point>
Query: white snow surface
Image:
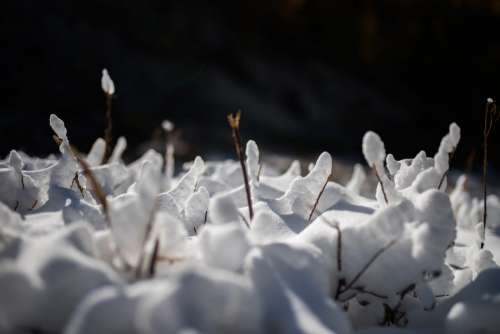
<point>181,254</point>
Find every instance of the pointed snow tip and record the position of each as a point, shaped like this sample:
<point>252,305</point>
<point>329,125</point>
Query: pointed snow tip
<point>373,148</point>
<point>167,125</point>
<point>57,126</point>
<point>107,84</point>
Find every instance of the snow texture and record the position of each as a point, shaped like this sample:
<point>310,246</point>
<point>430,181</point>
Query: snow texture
<point>178,253</point>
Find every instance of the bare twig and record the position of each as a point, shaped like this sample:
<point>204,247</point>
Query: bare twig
<point>403,294</point>
<point>367,265</point>
<point>33,205</point>
<point>98,191</point>
<point>445,174</point>
<point>108,132</point>
<point>234,123</point>
<point>78,185</point>
<point>339,248</point>
<point>244,219</point>
<point>381,184</point>
<point>491,116</point>
<point>147,236</point>
<point>154,259</point>
<point>317,199</point>
<point>261,165</point>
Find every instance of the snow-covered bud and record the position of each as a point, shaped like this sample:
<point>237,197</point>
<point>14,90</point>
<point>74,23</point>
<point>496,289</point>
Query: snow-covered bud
<point>107,84</point>
<point>167,125</point>
<point>373,148</point>
<point>454,134</point>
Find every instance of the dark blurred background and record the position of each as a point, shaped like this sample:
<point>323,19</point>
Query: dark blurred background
<point>309,75</point>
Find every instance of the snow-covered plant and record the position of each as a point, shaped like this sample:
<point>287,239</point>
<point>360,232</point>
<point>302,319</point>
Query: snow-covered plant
<point>108,86</point>
<point>374,152</point>
<point>446,150</point>
<point>134,248</point>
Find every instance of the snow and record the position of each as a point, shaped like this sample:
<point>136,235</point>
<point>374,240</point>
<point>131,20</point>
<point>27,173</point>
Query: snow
<point>167,125</point>
<point>107,84</point>
<point>373,148</point>
<point>178,253</point>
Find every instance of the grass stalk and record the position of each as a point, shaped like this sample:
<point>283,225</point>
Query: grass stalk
<point>234,123</point>
<point>108,132</point>
<point>491,116</point>
<point>381,184</point>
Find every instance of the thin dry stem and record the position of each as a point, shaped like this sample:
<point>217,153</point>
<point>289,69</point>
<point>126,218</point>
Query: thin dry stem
<point>381,184</point>
<point>445,174</point>
<point>147,236</point>
<point>491,116</point>
<point>339,248</point>
<point>259,171</point>
<point>317,199</point>
<point>33,205</point>
<point>154,259</point>
<point>78,185</point>
<point>108,132</point>
<point>234,123</point>
<point>367,265</point>
<point>99,193</point>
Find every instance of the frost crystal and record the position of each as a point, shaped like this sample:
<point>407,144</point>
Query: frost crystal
<point>107,84</point>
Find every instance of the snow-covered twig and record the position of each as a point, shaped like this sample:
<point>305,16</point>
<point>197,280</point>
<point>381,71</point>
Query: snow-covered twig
<point>108,87</point>
<point>234,123</point>
<point>366,266</point>
<point>317,200</point>
<point>154,259</point>
<point>374,152</point>
<point>491,116</point>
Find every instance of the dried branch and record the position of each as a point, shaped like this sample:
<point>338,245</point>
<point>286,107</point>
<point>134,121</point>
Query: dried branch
<point>491,116</point>
<point>147,236</point>
<point>261,165</point>
<point>78,185</point>
<point>244,219</point>
<point>367,265</point>
<point>98,191</point>
<point>154,259</point>
<point>108,132</point>
<point>234,123</point>
<point>317,199</point>
<point>445,174</point>
<point>381,184</point>
<point>339,248</point>
<point>33,205</point>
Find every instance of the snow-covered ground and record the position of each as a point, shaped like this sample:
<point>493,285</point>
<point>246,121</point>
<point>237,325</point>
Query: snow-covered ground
<point>92,247</point>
